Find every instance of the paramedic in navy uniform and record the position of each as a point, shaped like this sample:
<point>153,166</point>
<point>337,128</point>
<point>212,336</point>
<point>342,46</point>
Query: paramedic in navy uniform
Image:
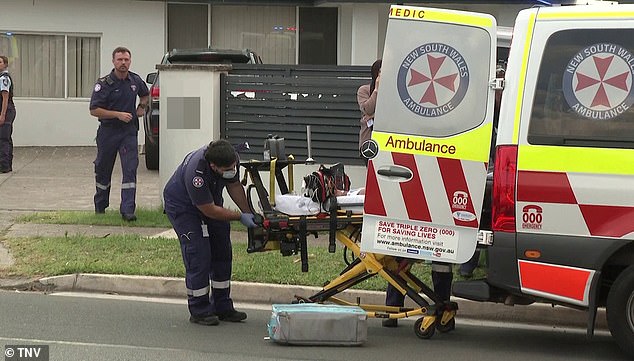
<point>194,205</point>
<point>7,116</point>
<point>113,102</point>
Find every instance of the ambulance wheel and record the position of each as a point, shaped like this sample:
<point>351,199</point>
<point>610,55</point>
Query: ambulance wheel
<point>620,310</point>
<point>449,326</point>
<point>424,333</point>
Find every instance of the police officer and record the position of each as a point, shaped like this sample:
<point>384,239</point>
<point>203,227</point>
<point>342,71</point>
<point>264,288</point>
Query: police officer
<point>7,116</point>
<point>194,205</point>
<point>113,102</point>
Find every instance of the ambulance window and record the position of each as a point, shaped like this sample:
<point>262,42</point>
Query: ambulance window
<point>584,94</point>
<point>440,82</point>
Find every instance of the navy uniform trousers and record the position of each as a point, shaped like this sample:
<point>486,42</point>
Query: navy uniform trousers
<point>206,250</point>
<point>6,142</point>
<point>441,277</point>
<point>113,139</point>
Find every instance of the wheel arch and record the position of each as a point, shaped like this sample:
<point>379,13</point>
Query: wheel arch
<point>615,263</point>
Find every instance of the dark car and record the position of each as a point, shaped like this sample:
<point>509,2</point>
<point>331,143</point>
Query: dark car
<point>183,56</point>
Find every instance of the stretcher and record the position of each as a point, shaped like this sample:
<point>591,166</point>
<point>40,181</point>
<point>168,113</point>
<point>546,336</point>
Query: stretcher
<point>288,233</point>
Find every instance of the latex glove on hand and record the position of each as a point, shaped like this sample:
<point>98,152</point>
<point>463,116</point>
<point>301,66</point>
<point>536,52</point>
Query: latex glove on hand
<point>248,219</point>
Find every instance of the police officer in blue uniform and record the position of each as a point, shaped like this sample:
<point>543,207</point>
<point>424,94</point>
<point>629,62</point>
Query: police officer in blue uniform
<point>113,102</point>
<point>194,205</point>
<point>7,116</point>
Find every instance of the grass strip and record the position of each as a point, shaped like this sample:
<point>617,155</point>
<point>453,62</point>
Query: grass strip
<point>136,255</point>
<point>145,218</point>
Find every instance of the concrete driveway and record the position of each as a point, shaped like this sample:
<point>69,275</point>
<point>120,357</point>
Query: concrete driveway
<point>62,178</point>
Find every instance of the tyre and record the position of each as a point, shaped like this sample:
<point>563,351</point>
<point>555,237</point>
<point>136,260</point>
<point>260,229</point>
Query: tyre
<point>449,326</point>
<point>421,331</point>
<point>620,310</point>
<point>151,155</point>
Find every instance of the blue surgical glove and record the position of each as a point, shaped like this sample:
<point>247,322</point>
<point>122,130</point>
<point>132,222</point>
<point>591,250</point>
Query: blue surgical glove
<point>248,219</point>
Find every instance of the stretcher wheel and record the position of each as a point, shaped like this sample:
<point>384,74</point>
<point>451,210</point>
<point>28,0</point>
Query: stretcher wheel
<point>424,327</point>
<point>449,326</point>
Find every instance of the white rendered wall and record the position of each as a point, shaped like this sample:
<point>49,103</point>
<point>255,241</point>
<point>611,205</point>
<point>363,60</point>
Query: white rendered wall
<point>365,34</point>
<point>177,82</point>
<point>137,25</point>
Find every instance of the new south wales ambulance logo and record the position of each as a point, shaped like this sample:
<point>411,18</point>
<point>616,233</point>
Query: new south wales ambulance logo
<point>597,81</point>
<point>433,79</point>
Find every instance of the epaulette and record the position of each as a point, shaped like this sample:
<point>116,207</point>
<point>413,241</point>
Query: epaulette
<point>202,164</point>
<point>106,79</point>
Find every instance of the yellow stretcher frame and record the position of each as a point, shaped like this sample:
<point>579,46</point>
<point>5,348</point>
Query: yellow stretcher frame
<point>288,234</point>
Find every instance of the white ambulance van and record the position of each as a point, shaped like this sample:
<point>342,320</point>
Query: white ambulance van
<point>563,184</point>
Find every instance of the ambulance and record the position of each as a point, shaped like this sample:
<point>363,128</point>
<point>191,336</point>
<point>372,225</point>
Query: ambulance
<point>562,202</point>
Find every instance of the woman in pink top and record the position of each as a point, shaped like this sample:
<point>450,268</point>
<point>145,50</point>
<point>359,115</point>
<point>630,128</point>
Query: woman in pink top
<point>366,97</point>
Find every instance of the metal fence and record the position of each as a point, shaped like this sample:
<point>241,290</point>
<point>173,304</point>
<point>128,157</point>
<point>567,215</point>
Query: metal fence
<point>258,100</point>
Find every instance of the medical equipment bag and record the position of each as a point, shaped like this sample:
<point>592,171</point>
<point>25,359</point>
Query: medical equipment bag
<point>318,324</point>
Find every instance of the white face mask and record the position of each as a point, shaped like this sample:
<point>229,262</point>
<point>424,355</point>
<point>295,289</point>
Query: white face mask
<point>229,174</point>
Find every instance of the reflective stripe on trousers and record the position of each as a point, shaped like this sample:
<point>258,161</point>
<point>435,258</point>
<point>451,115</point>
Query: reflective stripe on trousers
<point>206,251</point>
<point>110,142</point>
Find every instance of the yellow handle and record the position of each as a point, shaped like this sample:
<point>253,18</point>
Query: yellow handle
<point>272,182</point>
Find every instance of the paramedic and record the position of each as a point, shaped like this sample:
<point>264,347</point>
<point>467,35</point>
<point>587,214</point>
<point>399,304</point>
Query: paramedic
<point>113,102</point>
<point>366,97</point>
<point>194,205</point>
<point>7,116</point>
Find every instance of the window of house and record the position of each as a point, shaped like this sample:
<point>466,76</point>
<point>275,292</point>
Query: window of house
<point>584,94</point>
<point>318,35</point>
<point>270,31</point>
<point>187,26</point>
<point>52,66</point>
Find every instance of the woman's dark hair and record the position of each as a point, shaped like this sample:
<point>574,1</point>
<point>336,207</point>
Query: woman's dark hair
<point>221,153</point>
<point>376,68</point>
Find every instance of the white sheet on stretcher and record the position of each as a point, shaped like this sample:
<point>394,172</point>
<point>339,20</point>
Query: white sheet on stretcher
<point>296,205</point>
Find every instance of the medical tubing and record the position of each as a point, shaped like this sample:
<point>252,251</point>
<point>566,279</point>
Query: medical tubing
<point>249,202</point>
<point>345,256</point>
<point>354,235</point>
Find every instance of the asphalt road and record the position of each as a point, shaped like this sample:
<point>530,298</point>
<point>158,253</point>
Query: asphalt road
<point>97,328</point>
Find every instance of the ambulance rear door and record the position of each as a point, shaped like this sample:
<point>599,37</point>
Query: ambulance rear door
<point>432,132</point>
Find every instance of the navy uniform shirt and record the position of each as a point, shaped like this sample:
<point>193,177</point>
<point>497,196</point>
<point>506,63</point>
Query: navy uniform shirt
<point>6,84</point>
<point>194,184</point>
<point>112,93</point>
